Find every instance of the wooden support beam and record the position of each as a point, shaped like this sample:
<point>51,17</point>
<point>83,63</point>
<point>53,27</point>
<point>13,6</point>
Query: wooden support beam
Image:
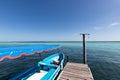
<point>84,49</point>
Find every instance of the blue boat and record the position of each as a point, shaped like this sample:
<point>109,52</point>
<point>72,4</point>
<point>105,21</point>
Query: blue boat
<point>46,69</point>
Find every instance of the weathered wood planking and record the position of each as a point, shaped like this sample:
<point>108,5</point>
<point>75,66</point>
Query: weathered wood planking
<point>76,71</point>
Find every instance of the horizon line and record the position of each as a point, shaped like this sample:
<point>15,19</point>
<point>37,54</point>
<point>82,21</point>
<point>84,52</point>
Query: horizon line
<point>60,41</point>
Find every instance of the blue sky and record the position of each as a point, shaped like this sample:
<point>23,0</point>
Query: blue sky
<point>59,20</point>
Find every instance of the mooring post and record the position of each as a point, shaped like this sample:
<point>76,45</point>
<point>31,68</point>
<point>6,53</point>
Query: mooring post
<point>84,49</point>
<point>67,59</point>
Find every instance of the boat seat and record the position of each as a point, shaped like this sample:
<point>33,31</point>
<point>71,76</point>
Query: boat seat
<point>49,65</point>
<point>48,75</point>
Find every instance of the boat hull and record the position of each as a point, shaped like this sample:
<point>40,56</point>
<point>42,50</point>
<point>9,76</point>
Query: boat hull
<point>47,66</point>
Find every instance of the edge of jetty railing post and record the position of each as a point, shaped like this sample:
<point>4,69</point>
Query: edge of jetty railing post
<point>84,49</point>
<point>67,58</point>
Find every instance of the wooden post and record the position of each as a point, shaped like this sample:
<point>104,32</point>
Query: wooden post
<point>67,58</point>
<point>84,49</point>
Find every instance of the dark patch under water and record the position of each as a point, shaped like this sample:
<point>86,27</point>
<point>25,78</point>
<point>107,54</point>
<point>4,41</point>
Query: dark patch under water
<point>102,68</point>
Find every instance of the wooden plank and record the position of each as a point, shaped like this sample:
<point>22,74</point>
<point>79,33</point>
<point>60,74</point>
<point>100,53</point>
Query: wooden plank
<point>75,71</point>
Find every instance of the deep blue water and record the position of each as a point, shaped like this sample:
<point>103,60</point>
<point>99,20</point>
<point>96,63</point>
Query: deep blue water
<point>103,58</point>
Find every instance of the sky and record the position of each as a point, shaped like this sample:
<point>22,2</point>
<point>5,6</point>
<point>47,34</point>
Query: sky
<point>59,20</point>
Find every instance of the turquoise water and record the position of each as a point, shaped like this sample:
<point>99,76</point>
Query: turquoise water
<point>102,57</point>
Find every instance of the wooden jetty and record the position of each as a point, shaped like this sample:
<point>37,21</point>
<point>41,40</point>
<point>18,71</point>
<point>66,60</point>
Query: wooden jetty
<point>76,71</point>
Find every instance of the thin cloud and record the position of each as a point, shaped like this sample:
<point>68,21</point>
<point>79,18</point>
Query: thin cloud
<point>114,24</point>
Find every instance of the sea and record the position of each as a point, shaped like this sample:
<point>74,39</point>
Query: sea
<point>103,58</point>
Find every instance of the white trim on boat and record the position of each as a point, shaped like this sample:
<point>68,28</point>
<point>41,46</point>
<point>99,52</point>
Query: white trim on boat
<point>37,75</point>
